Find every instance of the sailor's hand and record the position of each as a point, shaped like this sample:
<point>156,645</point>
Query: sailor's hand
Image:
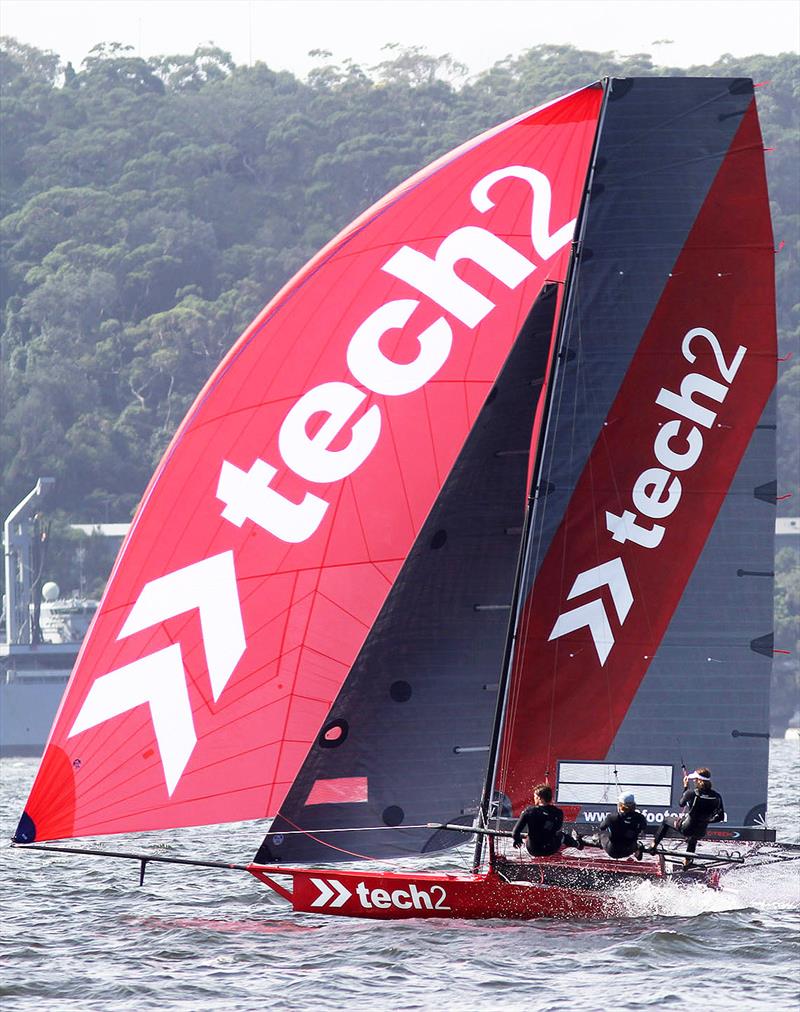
<point>685,781</point>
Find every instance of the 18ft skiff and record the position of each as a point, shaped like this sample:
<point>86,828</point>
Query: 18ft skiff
<point>484,497</point>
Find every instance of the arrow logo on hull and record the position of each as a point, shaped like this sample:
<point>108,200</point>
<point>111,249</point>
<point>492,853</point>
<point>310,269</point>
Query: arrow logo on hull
<point>609,574</point>
<point>325,892</point>
<point>159,679</point>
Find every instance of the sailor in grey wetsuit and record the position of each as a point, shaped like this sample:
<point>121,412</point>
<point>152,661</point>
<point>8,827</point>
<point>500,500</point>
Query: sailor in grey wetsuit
<point>618,834</point>
<point>703,806</point>
<point>542,824</point>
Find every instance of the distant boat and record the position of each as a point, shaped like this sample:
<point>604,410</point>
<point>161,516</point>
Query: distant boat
<point>33,676</point>
<point>64,619</point>
<point>41,634</point>
<point>32,682</point>
<point>484,497</point>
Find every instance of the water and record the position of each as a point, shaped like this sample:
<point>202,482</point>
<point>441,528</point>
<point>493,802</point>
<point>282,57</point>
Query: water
<point>80,934</point>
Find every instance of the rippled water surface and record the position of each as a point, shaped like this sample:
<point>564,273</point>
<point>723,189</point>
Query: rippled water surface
<point>78,933</point>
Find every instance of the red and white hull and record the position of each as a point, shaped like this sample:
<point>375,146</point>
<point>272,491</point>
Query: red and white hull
<point>398,896</point>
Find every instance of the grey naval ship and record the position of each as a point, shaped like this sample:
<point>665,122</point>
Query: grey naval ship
<point>42,632</point>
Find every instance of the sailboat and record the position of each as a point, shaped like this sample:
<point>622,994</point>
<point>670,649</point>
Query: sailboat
<point>484,497</point>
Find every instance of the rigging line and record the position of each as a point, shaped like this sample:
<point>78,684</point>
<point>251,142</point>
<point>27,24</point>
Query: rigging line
<point>525,614</point>
<point>522,618</point>
<point>538,523</point>
<point>336,567</point>
<point>553,391</point>
<point>680,753</point>
<point>331,846</point>
<point>578,382</point>
<point>352,829</point>
<point>509,648</point>
<point>539,518</point>
<point>718,155</point>
<point>542,507</point>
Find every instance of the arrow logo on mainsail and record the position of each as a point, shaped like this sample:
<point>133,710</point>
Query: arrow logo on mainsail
<point>325,892</point>
<point>609,574</point>
<point>159,679</point>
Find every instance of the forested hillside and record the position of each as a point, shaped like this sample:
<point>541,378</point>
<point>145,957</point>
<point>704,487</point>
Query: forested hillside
<point>150,208</point>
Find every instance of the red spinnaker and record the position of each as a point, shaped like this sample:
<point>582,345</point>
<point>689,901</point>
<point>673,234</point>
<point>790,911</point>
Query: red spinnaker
<point>293,491</point>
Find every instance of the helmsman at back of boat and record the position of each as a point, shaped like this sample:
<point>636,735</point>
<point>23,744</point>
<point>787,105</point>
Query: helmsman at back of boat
<point>703,806</point>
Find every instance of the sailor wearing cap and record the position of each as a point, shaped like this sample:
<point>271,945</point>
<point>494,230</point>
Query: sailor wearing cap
<point>619,832</point>
<point>703,806</point>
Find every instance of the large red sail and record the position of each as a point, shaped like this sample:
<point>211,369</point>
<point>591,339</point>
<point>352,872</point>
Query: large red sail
<point>646,634</point>
<point>285,506</point>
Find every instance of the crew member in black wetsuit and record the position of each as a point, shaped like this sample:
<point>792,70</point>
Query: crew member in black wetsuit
<point>618,833</point>
<point>703,806</point>
<point>542,824</point>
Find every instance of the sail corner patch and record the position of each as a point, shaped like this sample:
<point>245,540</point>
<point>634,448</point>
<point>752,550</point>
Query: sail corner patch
<point>342,790</point>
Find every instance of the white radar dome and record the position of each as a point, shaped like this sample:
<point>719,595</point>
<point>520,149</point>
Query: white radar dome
<point>50,591</point>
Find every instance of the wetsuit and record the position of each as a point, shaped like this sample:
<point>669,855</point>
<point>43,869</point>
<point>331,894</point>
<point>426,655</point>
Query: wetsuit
<point>542,823</point>
<point>703,807</point>
<point>619,832</point>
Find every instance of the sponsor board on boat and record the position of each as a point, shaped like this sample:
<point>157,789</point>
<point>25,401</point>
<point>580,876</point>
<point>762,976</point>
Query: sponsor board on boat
<point>651,816</point>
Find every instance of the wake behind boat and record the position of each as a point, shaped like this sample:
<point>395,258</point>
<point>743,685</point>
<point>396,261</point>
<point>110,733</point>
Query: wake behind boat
<point>484,498</point>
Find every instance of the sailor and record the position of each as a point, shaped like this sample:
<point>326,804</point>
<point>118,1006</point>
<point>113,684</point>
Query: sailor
<point>703,806</point>
<point>543,825</point>
<point>618,834</point>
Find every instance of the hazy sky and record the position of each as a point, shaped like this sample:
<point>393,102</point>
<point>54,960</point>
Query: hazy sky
<point>477,32</point>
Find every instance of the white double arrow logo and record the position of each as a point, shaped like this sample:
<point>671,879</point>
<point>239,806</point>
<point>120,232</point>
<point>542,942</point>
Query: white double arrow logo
<point>325,893</point>
<point>609,574</point>
<point>159,679</point>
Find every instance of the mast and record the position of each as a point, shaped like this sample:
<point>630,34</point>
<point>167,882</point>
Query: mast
<point>523,559</point>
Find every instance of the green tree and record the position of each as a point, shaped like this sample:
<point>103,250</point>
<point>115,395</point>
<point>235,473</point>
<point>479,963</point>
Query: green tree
<point>150,208</point>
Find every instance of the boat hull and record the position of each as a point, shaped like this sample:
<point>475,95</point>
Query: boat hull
<point>397,896</point>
